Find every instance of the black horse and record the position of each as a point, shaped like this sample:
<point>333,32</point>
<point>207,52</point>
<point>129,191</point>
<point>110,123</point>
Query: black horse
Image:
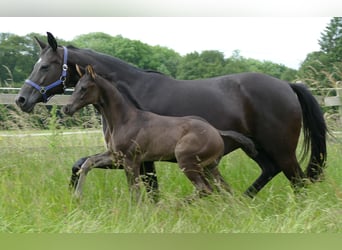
<point>267,110</point>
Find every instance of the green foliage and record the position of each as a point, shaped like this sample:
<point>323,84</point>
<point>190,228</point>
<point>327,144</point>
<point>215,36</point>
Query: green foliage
<point>331,40</point>
<point>16,53</point>
<point>322,69</point>
<point>19,53</point>
<point>238,64</point>
<point>47,117</point>
<point>212,63</point>
<point>132,51</point>
<point>201,65</point>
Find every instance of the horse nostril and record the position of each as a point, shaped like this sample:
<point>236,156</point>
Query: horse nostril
<point>65,109</point>
<point>20,100</point>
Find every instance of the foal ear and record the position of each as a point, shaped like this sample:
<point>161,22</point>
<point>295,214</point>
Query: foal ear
<point>52,41</point>
<point>91,71</point>
<point>78,69</point>
<point>41,44</point>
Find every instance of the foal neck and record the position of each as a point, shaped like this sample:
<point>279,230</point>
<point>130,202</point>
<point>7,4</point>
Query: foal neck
<point>113,106</point>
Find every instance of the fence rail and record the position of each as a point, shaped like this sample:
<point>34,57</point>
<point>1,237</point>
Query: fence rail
<point>56,100</point>
<point>326,101</point>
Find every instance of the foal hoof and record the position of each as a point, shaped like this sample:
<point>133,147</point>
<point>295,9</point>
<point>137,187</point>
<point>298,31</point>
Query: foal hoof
<point>77,194</point>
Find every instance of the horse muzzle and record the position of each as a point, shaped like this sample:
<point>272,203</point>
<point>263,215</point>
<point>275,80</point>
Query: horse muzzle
<point>68,110</point>
<point>24,104</point>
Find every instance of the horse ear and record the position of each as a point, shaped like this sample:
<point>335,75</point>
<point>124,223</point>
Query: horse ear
<point>52,41</point>
<point>41,44</point>
<point>91,72</point>
<point>78,69</point>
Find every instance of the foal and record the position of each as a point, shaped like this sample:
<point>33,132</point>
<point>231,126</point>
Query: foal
<point>137,136</point>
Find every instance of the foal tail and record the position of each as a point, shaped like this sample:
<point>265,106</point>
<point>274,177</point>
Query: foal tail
<point>246,144</point>
<point>314,130</point>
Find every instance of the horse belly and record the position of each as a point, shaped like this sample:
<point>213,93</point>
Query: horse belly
<point>222,110</point>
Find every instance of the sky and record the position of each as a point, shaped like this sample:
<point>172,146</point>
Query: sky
<point>282,40</point>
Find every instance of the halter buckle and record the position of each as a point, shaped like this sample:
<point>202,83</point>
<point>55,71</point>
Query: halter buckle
<point>62,78</point>
<point>42,90</point>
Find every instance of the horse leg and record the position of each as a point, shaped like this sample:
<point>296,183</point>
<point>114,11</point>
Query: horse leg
<point>75,168</point>
<point>195,174</point>
<point>268,170</point>
<point>132,169</point>
<point>147,172</point>
<point>214,176</point>
<point>149,177</point>
<point>96,161</point>
<point>292,171</point>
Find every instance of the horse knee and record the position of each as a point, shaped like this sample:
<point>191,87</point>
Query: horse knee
<point>74,176</point>
<point>77,166</point>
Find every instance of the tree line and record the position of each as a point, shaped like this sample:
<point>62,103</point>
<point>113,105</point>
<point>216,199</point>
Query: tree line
<point>323,68</point>
<point>19,53</point>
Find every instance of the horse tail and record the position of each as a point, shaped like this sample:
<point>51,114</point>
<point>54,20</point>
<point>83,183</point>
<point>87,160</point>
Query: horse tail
<point>246,143</point>
<point>314,131</point>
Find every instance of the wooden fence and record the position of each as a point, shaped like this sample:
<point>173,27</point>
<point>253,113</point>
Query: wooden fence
<point>6,98</point>
<point>326,101</point>
<point>56,100</point>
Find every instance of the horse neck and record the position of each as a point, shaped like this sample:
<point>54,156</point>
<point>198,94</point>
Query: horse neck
<point>113,106</point>
<point>105,65</point>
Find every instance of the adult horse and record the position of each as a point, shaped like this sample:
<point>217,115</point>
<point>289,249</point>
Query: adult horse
<point>267,110</point>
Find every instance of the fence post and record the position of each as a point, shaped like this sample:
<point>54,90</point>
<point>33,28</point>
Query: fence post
<point>339,94</point>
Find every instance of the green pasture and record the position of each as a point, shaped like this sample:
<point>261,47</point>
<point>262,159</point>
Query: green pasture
<point>34,194</point>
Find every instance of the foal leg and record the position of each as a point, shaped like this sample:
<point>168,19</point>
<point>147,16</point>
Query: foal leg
<point>97,161</point>
<point>214,176</point>
<point>195,175</point>
<point>75,168</point>
<point>149,177</point>
<point>132,170</point>
<point>194,172</point>
<point>147,173</point>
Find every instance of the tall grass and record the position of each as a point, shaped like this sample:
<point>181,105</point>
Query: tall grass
<point>34,195</point>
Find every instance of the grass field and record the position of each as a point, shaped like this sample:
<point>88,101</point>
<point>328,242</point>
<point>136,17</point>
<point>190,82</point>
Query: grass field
<point>34,195</point>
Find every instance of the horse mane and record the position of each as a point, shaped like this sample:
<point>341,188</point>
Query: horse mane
<point>102,56</point>
<point>153,71</point>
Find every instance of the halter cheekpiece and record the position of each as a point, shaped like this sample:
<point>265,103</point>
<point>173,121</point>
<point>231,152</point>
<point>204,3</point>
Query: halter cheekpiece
<point>61,80</point>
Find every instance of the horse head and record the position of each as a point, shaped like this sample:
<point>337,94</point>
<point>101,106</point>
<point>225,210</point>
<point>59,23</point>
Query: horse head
<point>48,76</point>
<point>85,91</point>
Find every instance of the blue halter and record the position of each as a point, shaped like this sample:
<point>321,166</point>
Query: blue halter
<point>60,81</point>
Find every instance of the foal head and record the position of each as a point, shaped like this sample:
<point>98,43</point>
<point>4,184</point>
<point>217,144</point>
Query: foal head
<point>86,91</point>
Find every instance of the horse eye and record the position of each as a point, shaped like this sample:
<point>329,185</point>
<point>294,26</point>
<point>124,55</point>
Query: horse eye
<point>83,89</point>
<point>44,67</point>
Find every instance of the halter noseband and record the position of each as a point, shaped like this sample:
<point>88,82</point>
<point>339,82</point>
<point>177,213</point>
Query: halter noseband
<point>60,81</point>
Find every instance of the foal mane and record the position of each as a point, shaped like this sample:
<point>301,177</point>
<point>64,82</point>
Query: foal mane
<point>124,90</point>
